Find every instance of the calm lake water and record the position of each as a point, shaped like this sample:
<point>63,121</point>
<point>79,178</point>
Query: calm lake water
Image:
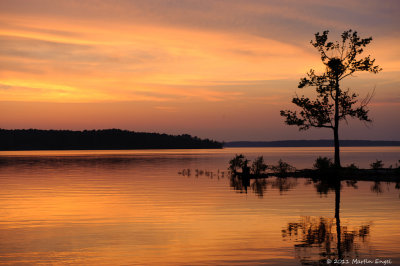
<point>147,208</point>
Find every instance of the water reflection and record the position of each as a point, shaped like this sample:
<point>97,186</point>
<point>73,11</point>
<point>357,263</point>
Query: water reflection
<point>322,238</point>
<point>136,210</point>
<point>377,187</point>
<point>317,238</point>
<point>239,184</point>
<point>326,185</point>
<point>259,186</point>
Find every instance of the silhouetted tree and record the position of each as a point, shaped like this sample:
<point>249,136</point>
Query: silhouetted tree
<point>377,165</point>
<point>323,163</point>
<point>258,166</point>
<point>238,162</point>
<point>332,103</point>
<point>282,168</point>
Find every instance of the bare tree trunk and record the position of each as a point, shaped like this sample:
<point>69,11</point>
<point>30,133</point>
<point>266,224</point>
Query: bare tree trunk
<point>336,127</point>
<point>337,150</point>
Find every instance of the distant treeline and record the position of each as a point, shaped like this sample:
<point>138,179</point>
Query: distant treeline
<point>311,143</point>
<point>34,139</point>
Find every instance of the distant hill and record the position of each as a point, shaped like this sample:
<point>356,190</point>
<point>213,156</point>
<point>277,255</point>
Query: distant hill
<point>34,139</point>
<point>311,143</point>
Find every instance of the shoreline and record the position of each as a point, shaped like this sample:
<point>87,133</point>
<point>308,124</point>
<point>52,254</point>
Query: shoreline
<point>380,175</point>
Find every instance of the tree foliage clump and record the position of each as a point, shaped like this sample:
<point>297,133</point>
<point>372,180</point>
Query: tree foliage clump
<point>323,163</point>
<point>333,103</point>
<point>377,165</point>
<point>240,162</point>
<point>282,167</point>
<point>237,162</point>
<point>258,166</point>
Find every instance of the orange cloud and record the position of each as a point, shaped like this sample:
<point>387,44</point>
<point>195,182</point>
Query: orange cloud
<point>112,62</point>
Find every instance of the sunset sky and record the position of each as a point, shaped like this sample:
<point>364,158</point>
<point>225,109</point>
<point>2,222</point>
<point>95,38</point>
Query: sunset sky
<point>219,69</point>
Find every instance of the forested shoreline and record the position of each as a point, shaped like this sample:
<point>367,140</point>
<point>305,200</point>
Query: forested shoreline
<point>35,139</point>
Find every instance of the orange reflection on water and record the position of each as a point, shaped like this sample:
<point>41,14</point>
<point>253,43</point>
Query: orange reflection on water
<point>97,211</point>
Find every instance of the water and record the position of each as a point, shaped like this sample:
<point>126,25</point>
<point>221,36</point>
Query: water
<point>143,208</point>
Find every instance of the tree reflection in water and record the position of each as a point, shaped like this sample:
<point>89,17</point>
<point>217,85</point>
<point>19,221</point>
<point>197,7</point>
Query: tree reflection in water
<point>379,188</point>
<point>324,238</point>
<point>318,240</point>
<point>239,184</point>
<point>260,185</point>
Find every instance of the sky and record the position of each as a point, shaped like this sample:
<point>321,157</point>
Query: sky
<point>219,69</point>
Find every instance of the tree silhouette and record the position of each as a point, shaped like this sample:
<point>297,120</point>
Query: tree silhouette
<point>332,103</point>
<point>238,162</point>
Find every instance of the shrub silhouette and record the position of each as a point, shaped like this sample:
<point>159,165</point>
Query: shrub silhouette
<point>377,165</point>
<point>282,167</point>
<point>238,162</point>
<point>323,163</point>
<point>352,167</point>
<point>258,166</point>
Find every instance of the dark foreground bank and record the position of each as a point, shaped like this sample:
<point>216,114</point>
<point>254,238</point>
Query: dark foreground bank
<point>34,139</point>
